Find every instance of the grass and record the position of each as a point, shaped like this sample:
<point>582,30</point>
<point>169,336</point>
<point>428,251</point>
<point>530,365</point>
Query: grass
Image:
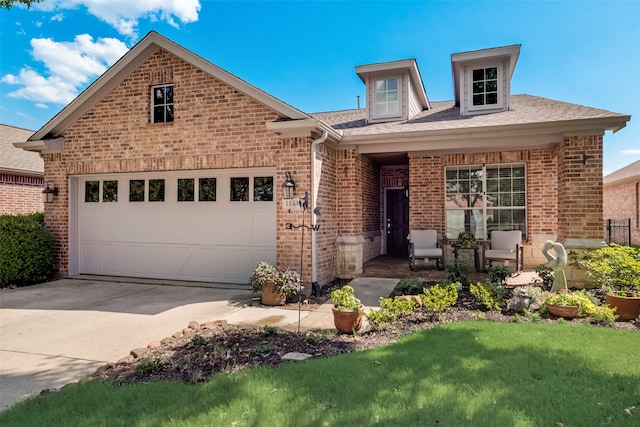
<point>460,374</point>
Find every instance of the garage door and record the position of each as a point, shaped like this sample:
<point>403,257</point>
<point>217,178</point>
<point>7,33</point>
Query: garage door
<point>213,225</point>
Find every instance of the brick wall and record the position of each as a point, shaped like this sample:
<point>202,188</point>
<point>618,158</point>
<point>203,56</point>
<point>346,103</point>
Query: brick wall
<point>580,189</point>
<point>20,194</point>
<point>620,202</point>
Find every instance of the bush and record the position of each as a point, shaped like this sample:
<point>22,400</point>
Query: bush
<point>438,298</point>
<point>499,274</point>
<point>389,311</point>
<point>490,295</point>
<point>26,250</point>
<point>409,287</point>
<point>603,314</point>
<point>614,266</point>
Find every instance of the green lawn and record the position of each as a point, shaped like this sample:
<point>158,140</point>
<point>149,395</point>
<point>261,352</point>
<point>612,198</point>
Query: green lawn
<point>470,374</point>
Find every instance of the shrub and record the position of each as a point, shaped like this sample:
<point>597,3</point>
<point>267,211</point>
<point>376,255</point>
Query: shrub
<point>438,298</point>
<point>603,314</point>
<point>584,299</point>
<point>489,295</point>
<point>614,266</point>
<point>26,250</point>
<point>499,274</point>
<point>389,311</point>
<point>546,275</point>
<point>457,272</point>
<point>409,287</point>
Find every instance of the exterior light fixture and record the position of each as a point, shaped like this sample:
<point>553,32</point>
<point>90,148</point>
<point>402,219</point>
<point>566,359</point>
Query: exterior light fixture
<point>288,187</point>
<point>49,192</point>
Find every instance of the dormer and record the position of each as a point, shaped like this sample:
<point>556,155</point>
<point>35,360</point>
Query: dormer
<point>394,91</point>
<point>482,79</point>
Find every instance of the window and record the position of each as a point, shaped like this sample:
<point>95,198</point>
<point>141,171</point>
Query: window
<point>162,104</point>
<point>156,190</point>
<point>186,190</point>
<point>387,99</point>
<point>239,189</point>
<point>110,191</point>
<point>263,189</point>
<point>92,191</point>
<point>483,198</point>
<point>485,87</point>
<point>207,190</point>
<point>136,190</point>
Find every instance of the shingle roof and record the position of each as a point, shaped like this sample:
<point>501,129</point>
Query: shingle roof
<point>525,109</point>
<point>623,174</point>
<point>14,159</point>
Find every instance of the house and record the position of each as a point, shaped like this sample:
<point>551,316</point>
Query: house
<point>170,167</point>
<point>621,198</point>
<point>21,174</point>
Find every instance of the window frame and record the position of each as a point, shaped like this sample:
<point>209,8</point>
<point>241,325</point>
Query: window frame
<point>374,97</point>
<point>485,204</point>
<point>153,105</point>
<point>499,90</point>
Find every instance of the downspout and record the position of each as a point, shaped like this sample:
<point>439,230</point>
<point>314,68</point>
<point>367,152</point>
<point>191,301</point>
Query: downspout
<point>314,194</point>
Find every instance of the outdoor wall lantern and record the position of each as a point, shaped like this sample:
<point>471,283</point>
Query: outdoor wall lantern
<point>288,187</point>
<point>49,192</point>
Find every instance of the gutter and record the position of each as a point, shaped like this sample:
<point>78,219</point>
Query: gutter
<point>314,194</point>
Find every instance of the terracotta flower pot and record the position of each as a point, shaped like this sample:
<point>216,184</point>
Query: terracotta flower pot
<point>271,297</point>
<point>347,321</point>
<point>627,308</point>
<point>568,311</point>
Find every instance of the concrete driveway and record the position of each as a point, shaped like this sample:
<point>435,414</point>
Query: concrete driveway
<point>57,333</point>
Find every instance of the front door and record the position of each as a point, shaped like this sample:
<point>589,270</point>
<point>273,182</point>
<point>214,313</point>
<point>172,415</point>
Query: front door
<point>397,209</point>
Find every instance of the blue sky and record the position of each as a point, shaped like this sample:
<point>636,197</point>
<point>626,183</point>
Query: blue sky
<point>305,53</point>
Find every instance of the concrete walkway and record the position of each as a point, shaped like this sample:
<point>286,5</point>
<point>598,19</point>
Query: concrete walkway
<point>56,333</point>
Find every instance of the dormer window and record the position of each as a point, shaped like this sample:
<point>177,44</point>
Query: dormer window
<point>482,79</point>
<point>394,90</point>
<point>387,98</point>
<point>485,86</point>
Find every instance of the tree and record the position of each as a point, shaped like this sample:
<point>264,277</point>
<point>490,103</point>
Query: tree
<point>7,4</point>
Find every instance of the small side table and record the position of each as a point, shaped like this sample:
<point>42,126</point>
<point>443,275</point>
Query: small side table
<point>476,254</point>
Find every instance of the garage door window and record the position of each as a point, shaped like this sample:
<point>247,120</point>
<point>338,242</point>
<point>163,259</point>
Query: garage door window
<point>239,189</point>
<point>207,190</point>
<point>109,191</point>
<point>185,190</point>
<point>136,190</point>
<point>92,191</point>
<point>263,189</point>
<point>156,190</point>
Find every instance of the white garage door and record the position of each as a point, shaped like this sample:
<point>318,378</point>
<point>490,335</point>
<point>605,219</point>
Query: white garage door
<point>211,225</point>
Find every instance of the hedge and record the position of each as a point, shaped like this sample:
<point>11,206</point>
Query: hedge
<point>26,250</point>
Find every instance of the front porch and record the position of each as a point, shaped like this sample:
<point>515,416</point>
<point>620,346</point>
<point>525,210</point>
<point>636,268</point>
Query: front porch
<point>397,267</point>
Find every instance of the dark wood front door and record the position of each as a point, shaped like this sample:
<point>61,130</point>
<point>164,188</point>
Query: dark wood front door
<point>397,222</point>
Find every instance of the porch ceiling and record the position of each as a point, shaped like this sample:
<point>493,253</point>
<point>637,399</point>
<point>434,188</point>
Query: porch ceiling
<point>389,159</point>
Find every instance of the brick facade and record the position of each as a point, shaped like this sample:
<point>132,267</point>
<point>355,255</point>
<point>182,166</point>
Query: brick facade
<point>621,201</point>
<point>20,194</point>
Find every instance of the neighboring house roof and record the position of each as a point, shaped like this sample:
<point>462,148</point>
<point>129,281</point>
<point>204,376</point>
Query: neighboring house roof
<point>14,160</point>
<point>627,173</point>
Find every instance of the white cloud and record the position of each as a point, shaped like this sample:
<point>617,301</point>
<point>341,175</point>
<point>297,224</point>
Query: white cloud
<point>637,151</point>
<point>69,66</point>
<point>124,15</point>
<point>57,17</point>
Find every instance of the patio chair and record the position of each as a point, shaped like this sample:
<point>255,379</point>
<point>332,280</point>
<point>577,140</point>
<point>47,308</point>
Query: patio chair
<point>505,246</point>
<point>424,244</point>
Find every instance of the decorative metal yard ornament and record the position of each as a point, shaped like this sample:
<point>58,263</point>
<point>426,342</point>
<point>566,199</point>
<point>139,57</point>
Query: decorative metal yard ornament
<point>304,203</point>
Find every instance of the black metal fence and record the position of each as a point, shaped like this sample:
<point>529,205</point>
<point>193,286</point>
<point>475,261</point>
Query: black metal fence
<point>618,231</point>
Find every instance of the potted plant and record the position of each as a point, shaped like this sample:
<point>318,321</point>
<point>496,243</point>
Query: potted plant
<point>465,240</point>
<point>616,268</point>
<point>570,303</point>
<point>274,284</point>
<point>347,310</point>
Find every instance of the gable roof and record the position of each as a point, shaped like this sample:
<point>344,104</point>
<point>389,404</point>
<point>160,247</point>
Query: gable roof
<point>145,48</point>
<point>627,173</point>
<point>530,117</point>
<point>14,160</point>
